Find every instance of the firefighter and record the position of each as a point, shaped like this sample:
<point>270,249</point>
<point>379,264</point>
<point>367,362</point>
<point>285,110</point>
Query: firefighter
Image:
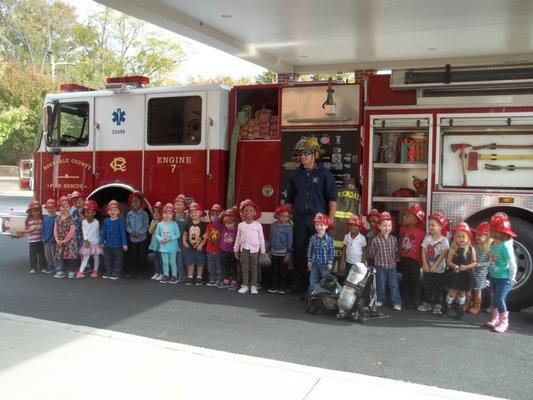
<point>311,189</point>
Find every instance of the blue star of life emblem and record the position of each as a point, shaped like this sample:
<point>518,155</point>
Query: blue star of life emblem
<point>118,116</point>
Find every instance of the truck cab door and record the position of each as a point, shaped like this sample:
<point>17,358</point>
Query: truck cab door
<point>175,157</point>
<point>67,162</point>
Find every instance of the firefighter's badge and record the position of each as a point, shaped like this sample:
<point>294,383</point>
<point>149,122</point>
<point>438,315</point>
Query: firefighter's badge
<point>118,164</point>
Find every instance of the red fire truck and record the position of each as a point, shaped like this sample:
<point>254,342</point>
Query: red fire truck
<point>455,140</point>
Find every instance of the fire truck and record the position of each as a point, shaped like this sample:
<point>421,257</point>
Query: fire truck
<point>456,140</point>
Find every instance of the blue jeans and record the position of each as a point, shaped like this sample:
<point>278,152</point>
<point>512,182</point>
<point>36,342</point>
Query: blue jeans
<point>214,265</point>
<point>501,288</point>
<point>384,277</point>
<point>113,260</point>
<point>158,262</point>
<point>317,272</point>
<point>181,265</point>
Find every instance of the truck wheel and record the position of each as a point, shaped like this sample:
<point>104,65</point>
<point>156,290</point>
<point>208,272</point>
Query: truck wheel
<point>521,296</point>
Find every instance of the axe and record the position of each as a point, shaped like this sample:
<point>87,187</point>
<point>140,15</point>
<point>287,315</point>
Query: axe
<point>508,167</point>
<point>474,156</point>
<point>492,146</point>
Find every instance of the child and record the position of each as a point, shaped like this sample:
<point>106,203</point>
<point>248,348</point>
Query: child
<point>461,259</point>
<point>76,210</point>
<point>354,244</point>
<point>137,222</point>
<point>168,233</point>
<point>372,219</point>
<point>280,249</point>
<point>320,252</point>
<point>227,226</point>
<point>249,242</point>
<point>49,241</point>
<point>65,237</point>
<point>154,243</point>
<point>33,228</point>
<point>181,218</point>
<point>91,239</point>
<point>411,236</point>
<point>434,251</point>
<point>480,282</point>
<point>502,270</point>
<point>212,248</point>
<point>383,249</point>
<point>113,241</point>
<point>194,241</point>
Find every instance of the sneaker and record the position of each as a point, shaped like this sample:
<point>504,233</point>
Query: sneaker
<point>233,286</point>
<point>379,304</point>
<point>198,282</point>
<point>223,284</point>
<point>105,276</point>
<point>47,271</point>
<point>437,309</point>
<point>94,274</point>
<point>254,290</point>
<point>155,276</point>
<point>71,275</point>
<point>210,283</point>
<point>59,275</point>
<point>80,275</point>
<point>243,289</point>
<point>173,280</point>
<point>113,278</point>
<point>397,307</point>
<point>273,290</point>
<point>217,283</point>
<point>32,271</point>
<point>164,279</point>
<point>282,290</point>
<point>188,281</point>
<point>424,307</point>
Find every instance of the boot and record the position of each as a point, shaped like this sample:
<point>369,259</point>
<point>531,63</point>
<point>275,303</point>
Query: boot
<point>476,303</point>
<point>495,318</point>
<point>503,323</point>
<point>467,304</point>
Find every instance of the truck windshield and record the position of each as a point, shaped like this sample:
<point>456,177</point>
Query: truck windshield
<point>71,126</point>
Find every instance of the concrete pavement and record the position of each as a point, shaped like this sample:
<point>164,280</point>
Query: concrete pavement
<point>49,360</point>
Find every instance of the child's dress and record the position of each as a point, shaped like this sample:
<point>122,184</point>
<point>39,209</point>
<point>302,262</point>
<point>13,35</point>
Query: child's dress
<point>69,250</point>
<point>481,272</point>
<point>463,280</point>
<point>91,233</point>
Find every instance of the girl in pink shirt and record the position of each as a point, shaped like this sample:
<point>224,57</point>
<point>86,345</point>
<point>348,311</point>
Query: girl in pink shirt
<point>249,243</point>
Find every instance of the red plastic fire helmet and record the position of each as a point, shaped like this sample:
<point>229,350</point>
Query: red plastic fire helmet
<point>373,213</point>
<point>384,216</point>
<point>63,200</point>
<point>281,209</point>
<point>180,198</point>
<point>215,207</point>
<point>168,208</point>
<point>417,211</point>
<point>50,203</point>
<point>91,205</point>
<point>34,205</point>
<point>322,219</point>
<point>356,220</point>
<point>158,205</point>
<point>442,220</point>
<point>249,202</point>
<point>463,227</point>
<point>483,228</point>
<point>74,195</point>
<point>502,225</point>
<point>137,194</point>
<point>196,207</point>
<point>112,204</point>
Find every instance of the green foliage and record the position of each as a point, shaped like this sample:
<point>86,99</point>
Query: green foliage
<point>266,77</point>
<point>219,80</point>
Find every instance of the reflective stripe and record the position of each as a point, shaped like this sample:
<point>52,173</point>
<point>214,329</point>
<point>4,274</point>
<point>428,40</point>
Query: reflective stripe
<point>343,214</point>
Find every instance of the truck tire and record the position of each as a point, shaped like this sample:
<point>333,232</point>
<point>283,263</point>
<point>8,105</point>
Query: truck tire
<point>521,296</point>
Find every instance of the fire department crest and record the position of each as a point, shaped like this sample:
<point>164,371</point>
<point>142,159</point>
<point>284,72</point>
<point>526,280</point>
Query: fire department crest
<point>118,164</point>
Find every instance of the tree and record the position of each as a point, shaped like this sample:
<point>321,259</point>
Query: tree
<point>227,80</point>
<point>266,77</point>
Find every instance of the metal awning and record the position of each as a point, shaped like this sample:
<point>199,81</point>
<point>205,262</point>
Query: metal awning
<point>342,35</point>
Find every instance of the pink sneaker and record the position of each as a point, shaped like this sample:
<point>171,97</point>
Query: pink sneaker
<point>495,317</point>
<point>79,275</point>
<point>94,274</point>
<point>503,323</point>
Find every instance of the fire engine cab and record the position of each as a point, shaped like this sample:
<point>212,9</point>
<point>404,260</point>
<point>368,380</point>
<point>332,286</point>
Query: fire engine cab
<point>456,140</point>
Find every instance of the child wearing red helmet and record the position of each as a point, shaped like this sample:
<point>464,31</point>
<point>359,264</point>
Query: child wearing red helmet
<point>33,228</point>
<point>66,243</point>
<point>481,272</point>
<point>49,242</point>
<point>411,236</point>
<point>461,260</point>
<point>214,265</point>
<point>194,241</point>
<point>384,249</point>
<point>435,248</point>
<point>168,234</point>
<point>502,270</point>
<point>113,241</point>
<point>181,216</point>
<point>353,245</point>
<point>249,244</point>
<point>226,224</point>
<point>154,243</point>
<point>321,252</point>
<point>91,239</point>
<point>280,249</point>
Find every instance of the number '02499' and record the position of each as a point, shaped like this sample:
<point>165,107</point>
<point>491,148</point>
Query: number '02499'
<point>118,131</point>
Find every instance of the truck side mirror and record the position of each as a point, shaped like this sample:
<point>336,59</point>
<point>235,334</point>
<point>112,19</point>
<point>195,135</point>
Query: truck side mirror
<point>49,121</point>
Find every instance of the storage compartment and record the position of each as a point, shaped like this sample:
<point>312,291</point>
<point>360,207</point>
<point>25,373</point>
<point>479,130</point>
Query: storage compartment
<point>399,163</point>
<point>258,112</point>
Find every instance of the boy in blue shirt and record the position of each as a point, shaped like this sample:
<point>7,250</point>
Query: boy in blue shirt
<point>113,241</point>
<point>321,252</point>
<point>280,249</point>
<point>137,223</point>
<point>48,239</point>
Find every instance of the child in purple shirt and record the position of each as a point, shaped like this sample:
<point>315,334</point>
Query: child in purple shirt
<point>226,224</point>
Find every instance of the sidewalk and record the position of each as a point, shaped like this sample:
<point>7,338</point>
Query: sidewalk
<point>50,360</point>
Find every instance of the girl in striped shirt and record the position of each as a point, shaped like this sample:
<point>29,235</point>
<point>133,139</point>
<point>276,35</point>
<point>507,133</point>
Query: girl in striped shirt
<point>33,228</point>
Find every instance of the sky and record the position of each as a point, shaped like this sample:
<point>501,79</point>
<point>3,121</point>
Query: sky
<point>200,57</point>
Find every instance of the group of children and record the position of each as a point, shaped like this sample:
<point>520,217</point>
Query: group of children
<point>184,242</point>
<point>451,272</point>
